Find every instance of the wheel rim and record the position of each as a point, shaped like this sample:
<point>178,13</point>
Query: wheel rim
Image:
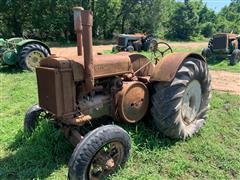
<point>107,159</point>
<point>191,101</point>
<point>33,59</point>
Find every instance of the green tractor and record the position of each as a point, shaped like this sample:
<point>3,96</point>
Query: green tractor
<point>224,45</point>
<point>27,53</point>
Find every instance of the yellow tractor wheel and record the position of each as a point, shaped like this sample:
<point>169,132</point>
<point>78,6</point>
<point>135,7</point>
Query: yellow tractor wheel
<point>31,55</point>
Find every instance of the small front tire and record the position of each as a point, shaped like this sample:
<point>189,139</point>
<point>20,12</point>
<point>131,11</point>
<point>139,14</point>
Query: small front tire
<point>31,118</point>
<point>100,153</point>
<point>206,52</point>
<point>130,48</point>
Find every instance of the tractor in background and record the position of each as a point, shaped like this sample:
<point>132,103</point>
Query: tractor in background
<point>27,53</point>
<point>224,45</point>
<point>86,96</point>
<point>134,42</point>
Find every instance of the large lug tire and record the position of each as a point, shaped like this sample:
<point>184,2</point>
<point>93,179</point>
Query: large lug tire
<point>206,52</point>
<point>235,57</point>
<point>210,44</point>
<point>100,153</point>
<point>179,108</point>
<point>31,55</point>
<point>31,118</point>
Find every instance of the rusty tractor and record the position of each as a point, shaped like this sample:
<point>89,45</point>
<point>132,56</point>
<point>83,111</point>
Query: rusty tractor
<point>134,42</point>
<point>82,90</point>
<point>224,45</point>
<point>27,53</point>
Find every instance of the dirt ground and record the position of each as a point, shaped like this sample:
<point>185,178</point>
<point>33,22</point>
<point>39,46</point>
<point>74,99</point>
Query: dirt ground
<point>189,45</point>
<point>221,80</point>
<point>71,51</point>
<point>226,81</point>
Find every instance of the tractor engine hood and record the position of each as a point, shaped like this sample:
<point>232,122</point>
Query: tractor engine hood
<point>104,65</point>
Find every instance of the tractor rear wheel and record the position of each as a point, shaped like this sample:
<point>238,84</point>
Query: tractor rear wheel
<point>31,117</point>
<point>179,108</point>
<point>31,55</point>
<point>100,153</point>
<point>235,57</point>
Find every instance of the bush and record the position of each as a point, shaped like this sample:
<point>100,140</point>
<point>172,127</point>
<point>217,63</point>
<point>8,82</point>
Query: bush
<point>208,29</point>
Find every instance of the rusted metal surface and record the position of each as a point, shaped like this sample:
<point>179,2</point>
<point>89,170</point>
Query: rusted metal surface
<point>80,120</point>
<point>136,35</point>
<point>166,69</point>
<point>73,135</point>
<point>110,65</point>
<point>56,89</point>
<point>78,28</point>
<point>132,101</point>
<point>140,61</point>
<point>107,159</point>
<point>87,23</point>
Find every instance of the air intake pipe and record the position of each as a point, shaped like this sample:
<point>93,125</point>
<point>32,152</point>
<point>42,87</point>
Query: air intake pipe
<point>83,22</point>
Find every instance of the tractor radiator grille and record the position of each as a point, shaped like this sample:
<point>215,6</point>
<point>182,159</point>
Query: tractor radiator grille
<point>220,43</point>
<point>121,41</point>
<point>56,91</point>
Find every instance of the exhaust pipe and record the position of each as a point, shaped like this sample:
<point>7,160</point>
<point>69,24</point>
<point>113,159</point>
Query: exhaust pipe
<point>78,28</point>
<point>83,22</point>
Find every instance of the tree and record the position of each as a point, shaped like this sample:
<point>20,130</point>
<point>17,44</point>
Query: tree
<point>184,22</point>
<point>229,18</point>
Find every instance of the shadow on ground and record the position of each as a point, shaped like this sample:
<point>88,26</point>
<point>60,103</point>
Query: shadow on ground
<point>35,156</point>
<point>217,60</point>
<point>47,150</point>
<point>10,69</point>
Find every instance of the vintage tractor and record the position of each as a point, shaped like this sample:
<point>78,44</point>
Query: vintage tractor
<point>80,91</point>
<point>224,45</point>
<point>134,42</point>
<point>27,53</point>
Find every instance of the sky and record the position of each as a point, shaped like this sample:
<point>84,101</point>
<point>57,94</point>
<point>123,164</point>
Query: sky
<point>215,4</point>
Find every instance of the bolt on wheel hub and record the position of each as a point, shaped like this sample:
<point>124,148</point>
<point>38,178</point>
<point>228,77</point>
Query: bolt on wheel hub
<point>106,160</point>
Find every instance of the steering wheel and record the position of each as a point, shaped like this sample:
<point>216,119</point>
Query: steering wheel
<point>157,52</point>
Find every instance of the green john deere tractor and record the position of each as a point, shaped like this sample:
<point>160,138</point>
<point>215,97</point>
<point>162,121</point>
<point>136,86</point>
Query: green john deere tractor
<point>27,53</point>
<point>224,45</point>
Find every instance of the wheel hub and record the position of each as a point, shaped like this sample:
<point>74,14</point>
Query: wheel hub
<point>33,59</point>
<point>191,101</point>
<point>106,160</point>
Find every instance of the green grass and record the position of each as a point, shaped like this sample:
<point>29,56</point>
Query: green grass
<point>218,64</point>
<point>214,153</point>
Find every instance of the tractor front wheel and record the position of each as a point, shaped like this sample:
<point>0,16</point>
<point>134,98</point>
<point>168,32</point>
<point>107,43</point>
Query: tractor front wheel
<point>206,52</point>
<point>31,55</point>
<point>235,57</point>
<point>31,117</point>
<point>100,153</point>
<point>179,108</point>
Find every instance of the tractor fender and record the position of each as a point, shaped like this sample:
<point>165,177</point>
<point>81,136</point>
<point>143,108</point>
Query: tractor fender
<point>31,41</point>
<point>167,68</point>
